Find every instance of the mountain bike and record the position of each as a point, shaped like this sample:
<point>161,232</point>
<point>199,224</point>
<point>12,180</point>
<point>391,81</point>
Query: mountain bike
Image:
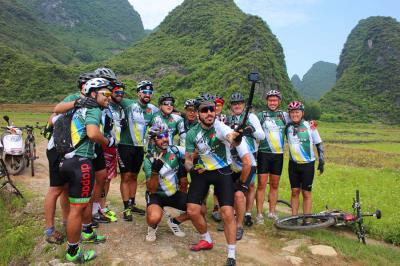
<point>328,218</point>
<point>30,147</point>
<point>6,181</point>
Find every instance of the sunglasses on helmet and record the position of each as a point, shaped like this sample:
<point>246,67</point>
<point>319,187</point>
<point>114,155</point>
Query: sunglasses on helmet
<point>207,108</point>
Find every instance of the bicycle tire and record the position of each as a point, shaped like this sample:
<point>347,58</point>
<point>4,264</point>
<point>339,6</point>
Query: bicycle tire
<point>32,158</point>
<point>9,181</point>
<point>287,203</point>
<point>20,164</point>
<point>297,222</point>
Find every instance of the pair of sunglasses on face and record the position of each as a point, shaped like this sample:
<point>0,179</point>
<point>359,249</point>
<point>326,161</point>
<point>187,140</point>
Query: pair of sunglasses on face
<point>207,108</point>
<point>162,135</point>
<point>105,93</point>
<point>147,92</point>
<point>119,93</point>
<point>168,103</point>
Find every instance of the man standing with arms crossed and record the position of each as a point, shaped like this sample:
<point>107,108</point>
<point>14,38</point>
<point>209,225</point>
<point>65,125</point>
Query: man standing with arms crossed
<point>212,141</point>
<point>131,147</point>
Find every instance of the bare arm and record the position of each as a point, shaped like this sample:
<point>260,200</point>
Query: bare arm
<point>94,134</point>
<point>152,183</point>
<point>63,107</point>
<point>246,167</point>
<point>188,161</point>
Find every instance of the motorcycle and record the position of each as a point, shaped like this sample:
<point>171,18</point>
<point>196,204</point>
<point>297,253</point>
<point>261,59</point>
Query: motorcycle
<point>13,148</point>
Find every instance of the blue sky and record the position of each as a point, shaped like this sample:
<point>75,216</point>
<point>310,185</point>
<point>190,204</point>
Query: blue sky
<point>309,30</point>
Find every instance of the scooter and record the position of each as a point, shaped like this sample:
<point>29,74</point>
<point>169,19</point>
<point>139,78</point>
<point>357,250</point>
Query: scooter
<point>13,148</point>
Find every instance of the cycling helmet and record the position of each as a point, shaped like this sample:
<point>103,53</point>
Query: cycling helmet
<point>105,73</point>
<point>118,84</point>
<point>237,97</point>
<point>157,129</point>
<point>165,97</point>
<point>144,85</point>
<point>296,105</point>
<point>274,93</point>
<point>96,84</point>
<point>204,98</point>
<point>219,99</point>
<point>190,102</point>
<point>85,77</point>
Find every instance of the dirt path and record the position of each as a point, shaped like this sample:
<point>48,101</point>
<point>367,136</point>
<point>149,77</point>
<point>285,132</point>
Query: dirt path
<point>261,245</point>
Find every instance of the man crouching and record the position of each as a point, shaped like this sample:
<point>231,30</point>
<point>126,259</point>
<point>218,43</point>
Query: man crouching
<point>166,182</point>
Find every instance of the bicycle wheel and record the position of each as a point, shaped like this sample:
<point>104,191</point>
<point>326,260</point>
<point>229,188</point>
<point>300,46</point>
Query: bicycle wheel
<point>32,157</point>
<point>4,174</point>
<point>15,164</point>
<point>284,202</point>
<point>305,222</point>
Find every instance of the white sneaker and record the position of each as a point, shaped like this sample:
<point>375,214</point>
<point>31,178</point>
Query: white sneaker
<point>273,216</point>
<point>259,219</point>
<point>175,228</point>
<point>151,234</point>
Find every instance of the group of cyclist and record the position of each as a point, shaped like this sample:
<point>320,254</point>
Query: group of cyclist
<point>201,145</point>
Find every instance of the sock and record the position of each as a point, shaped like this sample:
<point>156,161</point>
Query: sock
<point>216,208</point>
<point>206,236</point>
<point>87,228</point>
<point>103,210</point>
<point>126,205</point>
<point>132,200</point>
<point>95,208</point>
<point>248,214</point>
<point>72,248</point>
<point>232,251</point>
<point>176,221</point>
<point>49,231</point>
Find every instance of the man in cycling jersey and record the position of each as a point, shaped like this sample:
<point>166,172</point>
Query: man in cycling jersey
<point>270,154</point>
<point>138,113</point>
<point>164,170</point>
<point>189,115</point>
<point>301,137</point>
<point>77,168</point>
<point>212,141</point>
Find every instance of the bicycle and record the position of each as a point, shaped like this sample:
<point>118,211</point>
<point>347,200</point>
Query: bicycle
<point>328,218</point>
<point>30,147</point>
<point>7,180</point>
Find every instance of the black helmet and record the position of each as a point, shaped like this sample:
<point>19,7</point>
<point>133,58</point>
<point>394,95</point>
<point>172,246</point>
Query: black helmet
<point>144,85</point>
<point>85,77</point>
<point>118,83</point>
<point>105,73</point>
<point>204,97</point>
<point>165,97</point>
<point>237,97</point>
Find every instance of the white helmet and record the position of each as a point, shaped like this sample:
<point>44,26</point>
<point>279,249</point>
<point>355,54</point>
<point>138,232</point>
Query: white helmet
<point>96,84</point>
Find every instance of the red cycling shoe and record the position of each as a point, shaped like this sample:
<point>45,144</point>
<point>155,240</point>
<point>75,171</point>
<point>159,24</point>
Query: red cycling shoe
<point>202,245</point>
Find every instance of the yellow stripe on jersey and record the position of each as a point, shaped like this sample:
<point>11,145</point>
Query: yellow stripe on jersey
<point>138,136</point>
<point>75,134</point>
<point>275,143</point>
<point>296,154</point>
<point>170,187</point>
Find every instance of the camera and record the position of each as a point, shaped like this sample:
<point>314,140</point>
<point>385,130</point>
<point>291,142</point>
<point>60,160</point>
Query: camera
<point>253,77</point>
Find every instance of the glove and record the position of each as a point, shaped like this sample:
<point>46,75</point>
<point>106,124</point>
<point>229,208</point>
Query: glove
<point>47,131</point>
<point>111,142</point>
<point>239,138</point>
<point>248,130</point>
<point>240,186</point>
<point>124,123</point>
<point>321,166</point>
<point>86,102</point>
<point>157,165</point>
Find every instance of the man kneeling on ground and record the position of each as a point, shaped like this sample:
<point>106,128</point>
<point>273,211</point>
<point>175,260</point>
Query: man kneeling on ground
<point>166,182</point>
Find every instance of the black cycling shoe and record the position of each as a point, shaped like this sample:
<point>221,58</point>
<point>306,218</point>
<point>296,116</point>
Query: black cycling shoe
<point>230,262</point>
<point>248,221</point>
<point>128,215</point>
<point>137,210</point>
<point>101,218</point>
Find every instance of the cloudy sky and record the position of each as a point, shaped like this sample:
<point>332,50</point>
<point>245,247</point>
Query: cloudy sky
<point>309,30</point>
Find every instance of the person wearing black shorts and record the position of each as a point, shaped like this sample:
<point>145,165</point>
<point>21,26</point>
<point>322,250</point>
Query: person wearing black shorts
<point>270,154</point>
<point>302,136</point>
<point>165,179</point>
<point>212,140</point>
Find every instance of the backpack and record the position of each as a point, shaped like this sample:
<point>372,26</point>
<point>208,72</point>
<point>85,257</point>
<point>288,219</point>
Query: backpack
<point>62,134</point>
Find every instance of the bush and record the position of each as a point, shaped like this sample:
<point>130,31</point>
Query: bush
<point>312,111</point>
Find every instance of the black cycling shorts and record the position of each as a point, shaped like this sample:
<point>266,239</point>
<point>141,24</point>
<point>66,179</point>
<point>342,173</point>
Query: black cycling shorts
<point>223,186</point>
<point>99,163</point>
<point>177,201</point>
<point>269,163</point>
<point>79,173</point>
<point>301,175</point>
<point>54,159</point>
<point>130,158</point>
<point>236,176</point>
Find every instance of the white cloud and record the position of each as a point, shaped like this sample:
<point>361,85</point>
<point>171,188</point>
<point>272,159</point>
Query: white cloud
<point>154,11</point>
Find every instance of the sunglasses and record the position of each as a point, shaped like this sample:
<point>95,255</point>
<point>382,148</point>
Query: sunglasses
<point>190,110</point>
<point>119,93</point>
<point>147,92</point>
<point>162,135</point>
<point>207,108</point>
<point>168,103</point>
<point>105,93</point>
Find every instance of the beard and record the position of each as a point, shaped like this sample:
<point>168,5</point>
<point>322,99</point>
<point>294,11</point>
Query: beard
<point>207,120</point>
